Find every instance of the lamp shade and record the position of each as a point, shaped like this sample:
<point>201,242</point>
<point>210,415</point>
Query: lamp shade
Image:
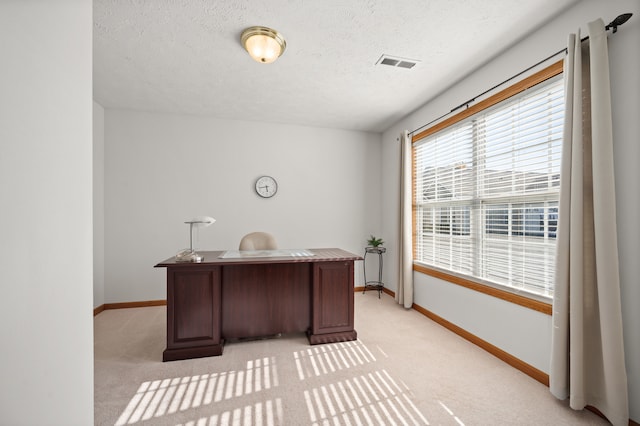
<point>201,221</point>
<point>264,45</point>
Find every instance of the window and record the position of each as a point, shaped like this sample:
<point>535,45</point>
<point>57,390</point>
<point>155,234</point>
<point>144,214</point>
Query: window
<point>486,190</point>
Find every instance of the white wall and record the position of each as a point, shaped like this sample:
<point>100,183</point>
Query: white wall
<point>163,169</point>
<point>45,219</point>
<point>524,333</point>
<point>98,205</point>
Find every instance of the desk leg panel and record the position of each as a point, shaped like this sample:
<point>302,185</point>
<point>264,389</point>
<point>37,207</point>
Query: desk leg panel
<point>332,305</point>
<point>193,313</point>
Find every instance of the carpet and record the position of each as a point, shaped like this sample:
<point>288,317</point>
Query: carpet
<point>404,369</point>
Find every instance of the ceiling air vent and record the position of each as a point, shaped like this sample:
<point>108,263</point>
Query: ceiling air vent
<point>397,62</point>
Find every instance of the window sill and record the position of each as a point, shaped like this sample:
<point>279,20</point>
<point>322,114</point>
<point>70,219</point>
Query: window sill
<point>518,299</point>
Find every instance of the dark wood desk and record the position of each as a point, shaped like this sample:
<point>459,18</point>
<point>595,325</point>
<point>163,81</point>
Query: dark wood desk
<point>234,298</point>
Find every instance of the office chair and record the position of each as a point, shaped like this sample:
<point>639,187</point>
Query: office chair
<point>258,241</point>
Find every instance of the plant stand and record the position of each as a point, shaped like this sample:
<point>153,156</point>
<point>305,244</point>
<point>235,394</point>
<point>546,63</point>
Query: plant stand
<point>378,284</point>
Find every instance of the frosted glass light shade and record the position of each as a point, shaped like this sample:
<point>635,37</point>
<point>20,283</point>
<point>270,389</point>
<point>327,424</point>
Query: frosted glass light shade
<point>263,44</point>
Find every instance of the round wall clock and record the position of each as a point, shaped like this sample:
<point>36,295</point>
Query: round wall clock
<point>266,186</point>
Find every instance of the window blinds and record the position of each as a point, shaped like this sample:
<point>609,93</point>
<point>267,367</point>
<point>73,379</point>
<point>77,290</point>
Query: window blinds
<point>486,192</point>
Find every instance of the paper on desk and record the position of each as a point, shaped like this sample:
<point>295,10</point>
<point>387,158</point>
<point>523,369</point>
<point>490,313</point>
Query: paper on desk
<point>239,254</point>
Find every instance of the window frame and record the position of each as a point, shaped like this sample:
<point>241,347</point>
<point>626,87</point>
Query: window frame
<point>528,300</point>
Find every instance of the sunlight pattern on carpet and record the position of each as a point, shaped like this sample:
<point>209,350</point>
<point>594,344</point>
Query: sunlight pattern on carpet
<point>260,414</point>
<point>161,397</point>
<point>442,404</point>
<point>369,399</point>
<point>325,359</point>
<point>340,384</point>
<point>372,398</point>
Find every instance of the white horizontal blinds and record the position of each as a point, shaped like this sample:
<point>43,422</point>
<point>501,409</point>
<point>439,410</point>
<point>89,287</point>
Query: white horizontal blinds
<point>487,191</point>
<point>520,143</point>
<point>444,193</point>
<point>519,245</point>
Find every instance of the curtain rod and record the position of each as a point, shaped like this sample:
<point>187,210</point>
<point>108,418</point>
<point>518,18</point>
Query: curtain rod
<point>613,25</point>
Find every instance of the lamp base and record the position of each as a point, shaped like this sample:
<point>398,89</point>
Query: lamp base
<point>188,255</point>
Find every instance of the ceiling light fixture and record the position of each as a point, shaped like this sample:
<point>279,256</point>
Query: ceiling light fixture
<point>263,44</point>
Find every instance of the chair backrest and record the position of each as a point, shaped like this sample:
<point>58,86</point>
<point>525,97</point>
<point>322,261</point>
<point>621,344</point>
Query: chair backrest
<point>258,241</point>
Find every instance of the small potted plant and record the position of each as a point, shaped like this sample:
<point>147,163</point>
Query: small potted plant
<point>375,242</point>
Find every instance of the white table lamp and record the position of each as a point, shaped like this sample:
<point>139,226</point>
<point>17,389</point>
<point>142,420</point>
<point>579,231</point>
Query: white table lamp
<point>190,255</point>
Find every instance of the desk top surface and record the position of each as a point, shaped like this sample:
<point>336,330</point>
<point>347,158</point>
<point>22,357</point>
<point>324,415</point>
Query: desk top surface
<point>232,257</point>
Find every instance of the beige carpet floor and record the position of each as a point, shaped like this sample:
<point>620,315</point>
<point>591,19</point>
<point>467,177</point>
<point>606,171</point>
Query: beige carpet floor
<point>404,369</point>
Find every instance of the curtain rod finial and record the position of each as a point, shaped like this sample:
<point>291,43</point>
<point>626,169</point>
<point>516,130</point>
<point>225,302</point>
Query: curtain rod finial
<point>620,19</point>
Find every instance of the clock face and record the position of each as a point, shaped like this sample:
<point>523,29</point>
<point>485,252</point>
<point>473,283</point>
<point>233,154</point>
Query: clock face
<point>266,186</point>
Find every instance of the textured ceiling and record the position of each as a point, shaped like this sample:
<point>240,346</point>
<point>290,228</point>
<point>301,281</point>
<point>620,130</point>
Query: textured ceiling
<point>184,56</point>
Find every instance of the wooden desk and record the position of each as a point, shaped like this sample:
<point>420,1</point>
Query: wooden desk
<point>233,298</point>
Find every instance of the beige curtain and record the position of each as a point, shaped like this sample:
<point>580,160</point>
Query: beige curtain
<point>404,293</point>
<point>587,359</point>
